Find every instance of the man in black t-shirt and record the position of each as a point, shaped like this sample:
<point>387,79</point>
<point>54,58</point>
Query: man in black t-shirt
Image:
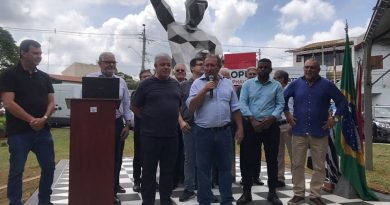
<point>27,94</point>
<point>137,144</point>
<point>156,102</point>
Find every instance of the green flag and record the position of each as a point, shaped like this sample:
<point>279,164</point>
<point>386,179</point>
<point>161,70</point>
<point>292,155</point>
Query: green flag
<point>348,142</point>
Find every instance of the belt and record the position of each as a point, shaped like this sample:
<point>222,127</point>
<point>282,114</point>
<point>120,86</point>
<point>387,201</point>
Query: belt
<point>282,122</point>
<point>219,128</point>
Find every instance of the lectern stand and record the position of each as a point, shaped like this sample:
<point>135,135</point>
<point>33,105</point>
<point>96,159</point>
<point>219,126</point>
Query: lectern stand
<point>92,145</point>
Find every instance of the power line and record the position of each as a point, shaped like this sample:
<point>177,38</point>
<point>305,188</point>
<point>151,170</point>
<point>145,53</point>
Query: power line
<point>69,32</point>
<point>105,35</point>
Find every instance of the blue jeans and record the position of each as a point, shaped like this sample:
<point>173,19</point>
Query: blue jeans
<point>189,159</point>
<point>41,143</point>
<point>214,146</point>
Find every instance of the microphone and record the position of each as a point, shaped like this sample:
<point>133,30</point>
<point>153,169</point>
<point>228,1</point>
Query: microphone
<point>211,79</point>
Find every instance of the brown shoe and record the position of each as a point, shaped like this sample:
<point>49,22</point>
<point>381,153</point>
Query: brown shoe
<point>296,200</point>
<point>316,201</point>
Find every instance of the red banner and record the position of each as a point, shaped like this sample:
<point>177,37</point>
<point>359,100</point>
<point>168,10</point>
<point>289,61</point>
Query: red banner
<point>238,63</point>
<point>240,60</point>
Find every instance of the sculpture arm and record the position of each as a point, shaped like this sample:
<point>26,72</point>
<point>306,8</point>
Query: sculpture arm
<point>163,12</point>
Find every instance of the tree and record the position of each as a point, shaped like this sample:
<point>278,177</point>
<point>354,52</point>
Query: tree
<point>9,55</point>
<point>131,83</point>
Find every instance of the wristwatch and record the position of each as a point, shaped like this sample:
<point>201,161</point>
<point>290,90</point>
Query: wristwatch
<point>45,117</point>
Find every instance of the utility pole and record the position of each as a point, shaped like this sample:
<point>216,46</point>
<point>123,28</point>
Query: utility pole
<point>259,53</point>
<point>143,48</point>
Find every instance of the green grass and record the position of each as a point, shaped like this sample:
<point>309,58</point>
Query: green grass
<point>377,179</point>
<point>61,147</point>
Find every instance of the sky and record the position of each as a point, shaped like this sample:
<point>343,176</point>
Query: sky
<point>79,30</point>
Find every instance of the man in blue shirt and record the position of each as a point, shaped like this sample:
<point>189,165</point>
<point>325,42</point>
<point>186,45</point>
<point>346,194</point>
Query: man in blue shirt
<point>261,103</point>
<point>107,63</point>
<point>310,127</point>
<point>213,100</point>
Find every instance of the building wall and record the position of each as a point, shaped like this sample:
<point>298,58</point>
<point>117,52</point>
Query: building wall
<point>381,89</point>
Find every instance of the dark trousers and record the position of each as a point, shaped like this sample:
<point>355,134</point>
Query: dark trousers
<point>248,130</point>
<point>137,157</point>
<point>179,168</point>
<point>155,151</point>
<point>119,146</point>
<point>249,152</point>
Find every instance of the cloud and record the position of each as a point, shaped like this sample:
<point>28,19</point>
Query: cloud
<point>79,39</point>
<point>229,16</point>
<point>337,31</point>
<point>298,12</point>
<point>277,47</point>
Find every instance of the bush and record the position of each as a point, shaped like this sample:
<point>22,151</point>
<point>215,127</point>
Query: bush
<point>2,123</point>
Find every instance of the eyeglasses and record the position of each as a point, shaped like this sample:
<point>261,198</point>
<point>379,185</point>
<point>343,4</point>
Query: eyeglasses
<point>179,71</point>
<point>109,62</point>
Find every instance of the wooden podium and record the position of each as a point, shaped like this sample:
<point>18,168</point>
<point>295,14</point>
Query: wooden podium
<point>92,147</point>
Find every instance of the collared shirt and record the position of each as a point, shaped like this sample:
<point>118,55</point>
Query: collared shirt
<point>311,105</point>
<point>124,96</point>
<point>185,87</point>
<point>31,93</point>
<point>290,105</point>
<point>215,111</point>
<point>261,100</point>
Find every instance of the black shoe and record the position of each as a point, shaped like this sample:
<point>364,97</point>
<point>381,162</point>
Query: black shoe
<point>274,199</point>
<point>316,201</point>
<point>214,199</point>
<point>186,195</point>
<point>121,189</point>
<point>280,184</point>
<point>117,201</point>
<point>137,187</point>
<point>258,181</point>
<point>245,198</point>
<point>296,200</point>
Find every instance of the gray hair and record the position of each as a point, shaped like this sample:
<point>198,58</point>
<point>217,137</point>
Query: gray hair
<point>162,56</point>
<point>105,54</point>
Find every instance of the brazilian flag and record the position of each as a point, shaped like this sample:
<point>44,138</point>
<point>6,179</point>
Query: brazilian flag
<point>349,145</point>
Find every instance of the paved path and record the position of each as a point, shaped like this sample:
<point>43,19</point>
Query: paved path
<point>259,193</point>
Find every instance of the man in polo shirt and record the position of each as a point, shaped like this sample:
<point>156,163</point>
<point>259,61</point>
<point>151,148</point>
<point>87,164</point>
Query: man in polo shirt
<point>186,121</point>
<point>213,100</point>
<point>157,102</point>
<point>28,98</point>
<point>310,127</point>
<point>261,103</point>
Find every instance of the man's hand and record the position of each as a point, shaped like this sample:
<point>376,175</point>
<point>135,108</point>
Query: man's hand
<point>239,135</point>
<point>185,127</point>
<point>125,133</point>
<point>260,125</point>
<point>209,86</point>
<point>267,122</point>
<point>290,119</point>
<point>329,123</point>
<point>38,123</point>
